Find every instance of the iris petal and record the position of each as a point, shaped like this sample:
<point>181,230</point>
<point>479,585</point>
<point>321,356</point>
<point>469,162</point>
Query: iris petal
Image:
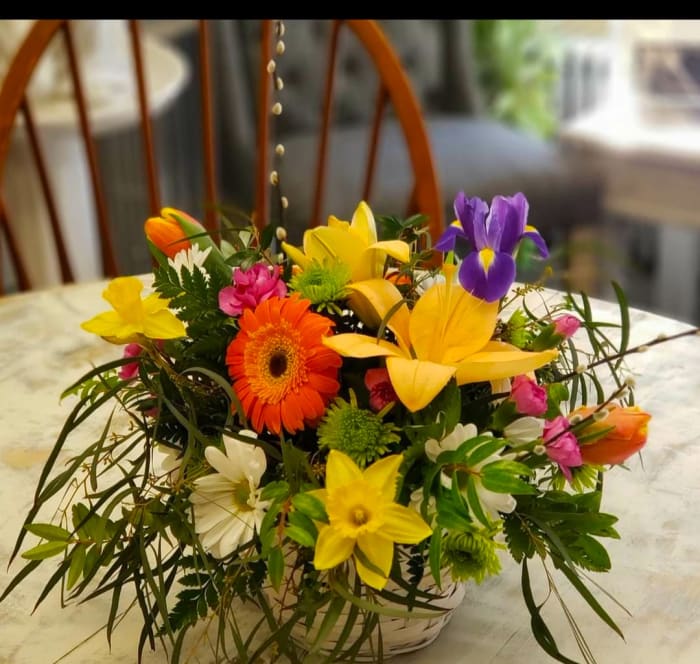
<point>512,211</point>
<point>488,285</point>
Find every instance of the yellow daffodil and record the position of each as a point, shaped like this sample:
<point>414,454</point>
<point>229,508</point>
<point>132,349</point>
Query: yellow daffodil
<point>354,244</point>
<point>133,316</point>
<point>362,515</point>
<point>448,333</point>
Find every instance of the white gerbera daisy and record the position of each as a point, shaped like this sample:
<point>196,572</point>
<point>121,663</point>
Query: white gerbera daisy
<point>190,258</point>
<point>227,505</point>
<point>491,502</point>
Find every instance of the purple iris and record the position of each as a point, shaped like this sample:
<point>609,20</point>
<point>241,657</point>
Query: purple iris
<point>488,270</point>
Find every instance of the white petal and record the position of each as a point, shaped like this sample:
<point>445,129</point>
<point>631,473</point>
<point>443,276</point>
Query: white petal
<point>238,532</point>
<point>229,465</point>
<point>494,502</point>
<point>250,458</point>
<point>524,430</point>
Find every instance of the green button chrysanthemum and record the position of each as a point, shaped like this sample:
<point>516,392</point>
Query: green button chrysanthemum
<point>470,556</point>
<point>323,284</point>
<point>359,433</point>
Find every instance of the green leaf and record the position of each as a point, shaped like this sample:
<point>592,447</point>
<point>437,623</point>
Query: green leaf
<point>504,481</point>
<point>450,518</point>
<point>575,581</point>
<point>304,522</point>
<point>275,566</point>
<point>624,319</point>
<point>540,631</point>
<point>300,536</point>
<point>310,506</point>
<point>275,491</point>
<point>596,556</point>
<point>48,531</point>
<point>483,450</point>
<point>474,502</point>
<point>333,612</point>
<point>77,561</point>
<point>45,550</point>
<point>435,555</point>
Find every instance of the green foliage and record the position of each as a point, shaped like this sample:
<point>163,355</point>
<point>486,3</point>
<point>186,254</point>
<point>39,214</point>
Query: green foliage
<point>517,72</point>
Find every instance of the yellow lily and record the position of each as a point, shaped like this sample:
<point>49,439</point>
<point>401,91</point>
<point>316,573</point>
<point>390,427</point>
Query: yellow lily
<point>448,333</point>
<point>133,316</point>
<point>362,515</point>
<point>354,244</point>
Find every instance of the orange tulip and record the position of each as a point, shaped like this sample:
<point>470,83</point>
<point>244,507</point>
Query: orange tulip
<point>167,232</point>
<point>628,436</point>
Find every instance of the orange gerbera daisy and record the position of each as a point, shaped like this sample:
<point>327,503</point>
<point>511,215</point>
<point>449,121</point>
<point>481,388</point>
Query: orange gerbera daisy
<point>281,371</point>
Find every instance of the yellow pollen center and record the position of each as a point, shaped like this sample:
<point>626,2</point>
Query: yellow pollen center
<point>360,516</point>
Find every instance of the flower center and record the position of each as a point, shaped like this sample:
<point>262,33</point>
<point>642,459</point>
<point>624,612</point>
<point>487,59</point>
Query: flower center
<point>278,364</point>
<point>241,496</point>
<point>360,516</point>
<point>355,508</point>
<point>275,361</point>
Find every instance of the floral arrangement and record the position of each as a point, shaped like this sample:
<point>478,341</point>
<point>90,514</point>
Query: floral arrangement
<point>336,435</point>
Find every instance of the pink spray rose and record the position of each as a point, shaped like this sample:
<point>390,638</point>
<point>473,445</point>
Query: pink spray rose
<point>529,397</point>
<point>561,447</point>
<point>130,370</point>
<point>566,325</point>
<point>250,288</point>
<point>381,391</point>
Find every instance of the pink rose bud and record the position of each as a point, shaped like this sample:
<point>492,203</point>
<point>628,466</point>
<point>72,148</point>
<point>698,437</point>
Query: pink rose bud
<point>529,397</point>
<point>250,288</point>
<point>381,391</point>
<point>561,445</point>
<point>130,370</point>
<point>566,325</point>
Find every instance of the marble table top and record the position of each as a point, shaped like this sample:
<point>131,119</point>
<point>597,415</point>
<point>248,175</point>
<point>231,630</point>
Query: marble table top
<point>656,564</point>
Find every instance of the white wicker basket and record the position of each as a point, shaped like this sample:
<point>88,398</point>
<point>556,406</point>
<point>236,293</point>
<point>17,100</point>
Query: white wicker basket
<point>398,635</point>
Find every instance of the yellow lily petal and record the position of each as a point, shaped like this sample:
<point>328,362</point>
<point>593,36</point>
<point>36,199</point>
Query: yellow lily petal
<point>163,325</point>
<point>323,242</point>
<point>416,382</point>
<point>380,295</point>
<point>360,345</point>
<point>397,249</point>
<point>383,474</point>
<point>500,360</point>
<point>404,525</point>
<point>332,548</point>
<point>340,470</point>
<point>334,222</point>
<point>448,324</point>
<point>380,552</point>
<point>297,255</point>
<point>363,225</point>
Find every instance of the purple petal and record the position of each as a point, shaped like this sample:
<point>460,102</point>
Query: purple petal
<point>534,235</point>
<point>471,213</point>
<point>508,219</point>
<point>489,281</point>
<point>448,238</point>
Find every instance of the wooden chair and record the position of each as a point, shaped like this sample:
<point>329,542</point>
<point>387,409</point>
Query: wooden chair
<point>394,88</point>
